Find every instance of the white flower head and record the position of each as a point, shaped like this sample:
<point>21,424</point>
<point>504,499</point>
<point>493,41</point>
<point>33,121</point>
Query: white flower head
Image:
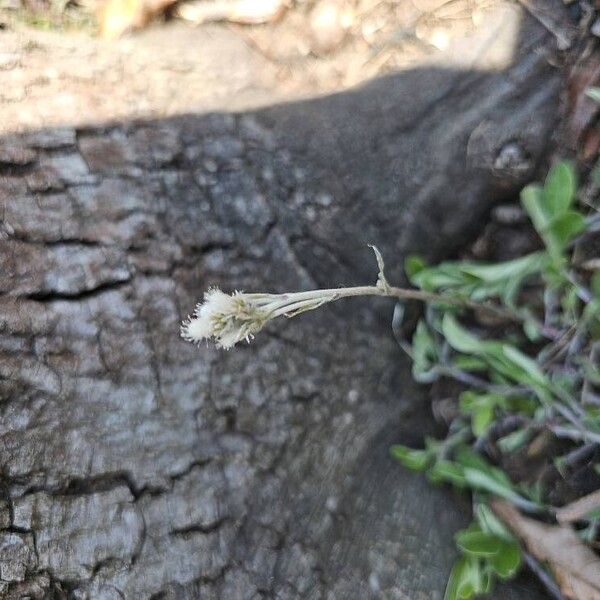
<point>229,319</point>
<point>225,318</point>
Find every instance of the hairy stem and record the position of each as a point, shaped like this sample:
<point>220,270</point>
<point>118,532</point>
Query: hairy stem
<point>399,294</point>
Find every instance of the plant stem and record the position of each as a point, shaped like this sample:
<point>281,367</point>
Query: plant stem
<point>453,440</point>
<point>410,294</point>
<point>575,434</point>
<point>482,384</point>
<point>393,292</point>
<point>543,576</point>
<point>580,454</point>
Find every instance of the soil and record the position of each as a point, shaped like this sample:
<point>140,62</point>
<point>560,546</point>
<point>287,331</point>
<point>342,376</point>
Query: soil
<point>51,77</point>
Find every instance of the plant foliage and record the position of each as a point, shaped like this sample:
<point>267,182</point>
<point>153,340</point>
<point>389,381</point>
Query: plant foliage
<point>536,372</point>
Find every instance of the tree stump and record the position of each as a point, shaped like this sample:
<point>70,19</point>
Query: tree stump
<point>135,465</point>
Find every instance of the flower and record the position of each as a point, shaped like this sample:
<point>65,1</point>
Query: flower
<point>229,319</point>
<point>226,318</point>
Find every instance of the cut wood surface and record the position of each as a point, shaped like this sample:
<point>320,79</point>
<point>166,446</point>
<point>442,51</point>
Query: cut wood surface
<point>135,465</point>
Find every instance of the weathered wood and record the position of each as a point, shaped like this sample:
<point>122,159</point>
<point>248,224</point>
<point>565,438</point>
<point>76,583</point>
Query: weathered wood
<point>135,465</point>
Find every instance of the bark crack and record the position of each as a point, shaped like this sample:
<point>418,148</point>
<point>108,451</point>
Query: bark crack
<point>48,296</point>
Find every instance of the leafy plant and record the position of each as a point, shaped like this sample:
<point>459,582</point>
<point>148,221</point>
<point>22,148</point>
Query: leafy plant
<point>538,375</point>
<point>487,555</point>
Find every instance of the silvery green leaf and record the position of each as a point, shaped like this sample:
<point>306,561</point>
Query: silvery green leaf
<point>559,189</point>
<point>458,337</point>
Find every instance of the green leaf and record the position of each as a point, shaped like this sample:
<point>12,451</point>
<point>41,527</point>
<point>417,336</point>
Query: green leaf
<point>534,202</point>
<point>559,189</point>
<point>458,337</point>
<point>478,281</point>
<point>565,227</point>
<point>523,404</point>
<point>479,543</point>
<point>504,360</point>
<point>459,576</point>
<point>473,581</point>
<point>442,276</point>
<point>416,460</point>
<point>529,366</point>
<point>482,418</point>
<point>481,407</point>
<point>593,93</point>
<point>532,199</point>
<point>506,278</point>
<point>493,273</point>
<point>490,523</point>
<point>469,400</point>
<point>424,352</point>
<point>466,580</point>
<point>447,472</point>
<point>480,475</point>
<point>467,457</point>
<point>412,265</point>
<point>531,329</point>
<point>487,581</point>
<point>481,480</point>
<point>513,441</point>
<point>469,363</point>
<point>507,560</point>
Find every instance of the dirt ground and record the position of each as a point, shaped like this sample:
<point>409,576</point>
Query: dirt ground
<point>72,77</point>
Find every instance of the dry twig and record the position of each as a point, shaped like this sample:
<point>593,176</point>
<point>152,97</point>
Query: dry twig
<point>579,509</point>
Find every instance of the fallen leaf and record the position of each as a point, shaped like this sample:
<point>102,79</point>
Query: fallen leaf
<point>576,568</point>
<point>582,111</point>
<point>579,509</point>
